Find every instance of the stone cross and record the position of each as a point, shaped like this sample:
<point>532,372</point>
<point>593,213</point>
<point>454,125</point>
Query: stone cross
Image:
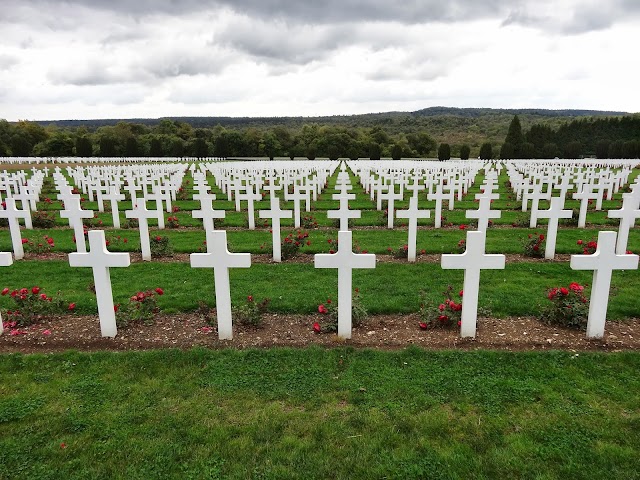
<point>344,214</point>
<point>413,214</point>
<point>250,197</point>
<point>536,196</point>
<point>5,261</point>
<point>12,214</point>
<point>391,196</point>
<point>276,214</point>
<point>345,261</point>
<point>584,196</point>
<point>484,212</point>
<point>114,196</point>
<point>627,215</point>
<point>438,196</point>
<point>472,261</point>
<point>207,213</point>
<point>219,258</point>
<point>554,214</point>
<point>143,215</point>
<point>100,260</point>
<point>74,213</point>
<point>296,196</point>
<point>602,262</point>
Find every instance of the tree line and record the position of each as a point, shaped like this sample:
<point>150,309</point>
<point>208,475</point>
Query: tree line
<point>617,137</point>
<point>601,137</point>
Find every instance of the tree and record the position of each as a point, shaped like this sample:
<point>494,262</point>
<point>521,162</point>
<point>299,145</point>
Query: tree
<point>507,151</point>
<point>20,145</point>
<point>515,138</point>
<point>465,150</point>
<point>615,149</point>
<point>421,142</point>
<point>444,151</point>
<point>572,150</point>
<point>374,151</point>
<point>155,148</point>
<point>60,144</point>
<point>84,148</point>
<point>311,152</point>
<point>177,147</point>
<point>396,152</point>
<point>131,147</point>
<point>602,149</point>
<point>270,145</point>
<point>527,150</point>
<point>107,146</point>
<point>630,149</point>
<point>486,151</point>
<point>200,148</point>
<point>550,150</point>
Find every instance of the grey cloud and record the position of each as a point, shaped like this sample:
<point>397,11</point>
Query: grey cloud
<point>7,61</point>
<point>84,74</point>
<point>281,42</point>
<point>329,11</point>
<point>174,63</point>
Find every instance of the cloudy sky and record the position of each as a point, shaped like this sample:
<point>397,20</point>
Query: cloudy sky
<point>152,58</point>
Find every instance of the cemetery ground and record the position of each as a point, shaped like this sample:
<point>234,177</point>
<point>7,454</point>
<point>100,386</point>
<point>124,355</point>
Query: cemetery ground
<point>411,403</point>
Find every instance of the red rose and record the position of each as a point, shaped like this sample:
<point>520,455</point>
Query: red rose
<point>23,291</point>
<point>159,291</point>
<point>322,309</point>
<point>5,291</point>
<point>461,293</point>
<point>580,242</point>
<point>316,327</point>
<point>43,296</point>
<point>443,318</point>
<point>35,290</point>
<point>422,325</point>
<point>250,298</point>
<point>116,307</point>
<point>441,307</point>
<point>328,300</point>
<point>564,291</point>
<point>72,306</point>
<point>541,237</point>
<point>25,240</point>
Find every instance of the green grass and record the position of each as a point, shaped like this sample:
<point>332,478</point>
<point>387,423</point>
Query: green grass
<point>314,413</point>
<point>519,289</point>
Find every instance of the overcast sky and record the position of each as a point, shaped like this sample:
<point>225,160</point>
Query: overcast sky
<point>152,58</point>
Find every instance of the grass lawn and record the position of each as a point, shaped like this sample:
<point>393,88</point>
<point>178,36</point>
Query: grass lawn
<point>315,413</point>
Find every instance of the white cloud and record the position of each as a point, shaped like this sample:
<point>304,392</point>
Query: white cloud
<point>91,59</point>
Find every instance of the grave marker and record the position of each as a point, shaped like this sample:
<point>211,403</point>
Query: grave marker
<point>221,260</point>
<point>100,260</point>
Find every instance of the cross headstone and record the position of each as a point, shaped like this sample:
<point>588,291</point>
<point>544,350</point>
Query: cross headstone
<point>114,196</point>
<point>12,214</point>
<point>100,260</point>
<point>627,215</point>
<point>344,214</point>
<point>472,261</point>
<point>345,261</point>
<point>207,213</point>
<point>484,212</point>
<point>221,260</point>
<point>74,213</point>
<point>584,196</point>
<point>5,261</point>
<point>413,214</point>
<point>391,196</point>
<point>602,262</point>
<point>276,214</point>
<point>438,196</point>
<point>143,215</point>
<point>554,214</point>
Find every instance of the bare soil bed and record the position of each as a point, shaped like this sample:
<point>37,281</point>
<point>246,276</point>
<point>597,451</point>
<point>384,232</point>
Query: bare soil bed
<point>383,332</point>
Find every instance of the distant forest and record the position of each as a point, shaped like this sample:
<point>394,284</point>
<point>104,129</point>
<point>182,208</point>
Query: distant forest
<point>432,132</point>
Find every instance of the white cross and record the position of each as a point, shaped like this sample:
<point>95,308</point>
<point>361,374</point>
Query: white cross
<point>536,196</point>
<point>5,261</point>
<point>344,214</point>
<point>12,214</point>
<point>391,196</point>
<point>472,261</point>
<point>219,258</point>
<point>627,215</point>
<point>159,206</point>
<point>275,214</point>
<point>143,215</point>
<point>74,213</point>
<point>114,196</point>
<point>438,196</point>
<point>584,196</point>
<point>207,213</point>
<point>100,260</point>
<point>484,212</point>
<point>554,214</point>
<point>345,261</point>
<point>250,197</point>
<point>296,196</point>
<point>602,262</point>
<point>413,214</point>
